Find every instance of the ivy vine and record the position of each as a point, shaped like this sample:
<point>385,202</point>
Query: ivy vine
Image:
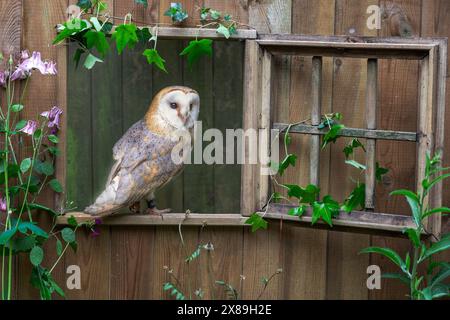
<point>93,30</point>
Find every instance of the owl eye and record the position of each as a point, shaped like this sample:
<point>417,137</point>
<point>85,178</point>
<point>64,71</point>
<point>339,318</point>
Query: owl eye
<point>191,106</point>
<point>173,105</point>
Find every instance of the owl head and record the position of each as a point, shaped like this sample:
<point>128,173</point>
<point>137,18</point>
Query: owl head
<point>173,108</point>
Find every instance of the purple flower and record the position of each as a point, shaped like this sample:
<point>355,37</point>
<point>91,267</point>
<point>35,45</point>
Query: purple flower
<point>3,78</point>
<point>95,233</point>
<point>24,55</point>
<point>20,73</point>
<point>30,128</point>
<point>34,62</point>
<point>2,204</point>
<point>98,221</point>
<point>53,117</point>
<point>50,68</point>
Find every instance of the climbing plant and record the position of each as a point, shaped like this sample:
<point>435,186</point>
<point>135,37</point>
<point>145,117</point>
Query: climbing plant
<point>93,30</point>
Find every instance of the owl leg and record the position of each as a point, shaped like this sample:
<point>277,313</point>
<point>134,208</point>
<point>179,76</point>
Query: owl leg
<point>152,209</point>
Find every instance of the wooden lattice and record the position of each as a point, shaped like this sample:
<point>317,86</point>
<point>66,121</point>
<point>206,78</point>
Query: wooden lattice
<point>432,54</point>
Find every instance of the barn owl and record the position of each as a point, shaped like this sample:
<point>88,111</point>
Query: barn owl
<point>143,161</point>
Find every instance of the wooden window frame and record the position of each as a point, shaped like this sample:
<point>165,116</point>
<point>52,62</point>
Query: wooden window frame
<point>432,54</point>
<point>259,49</point>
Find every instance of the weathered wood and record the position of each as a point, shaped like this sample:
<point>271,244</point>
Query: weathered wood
<point>371,124</point>
<point>368,221</point>
<point>351,132</point>
<point>193,219</point>
<point>265,122</point>
<point>196,33</point>
<point>249,186</point>
<point>316,114</point>
<point>349,49</point>
<point>425,115</point>
<point>11,22</point>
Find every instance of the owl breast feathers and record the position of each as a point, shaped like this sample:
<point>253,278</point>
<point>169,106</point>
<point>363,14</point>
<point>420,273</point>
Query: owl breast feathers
<point>143,156</point>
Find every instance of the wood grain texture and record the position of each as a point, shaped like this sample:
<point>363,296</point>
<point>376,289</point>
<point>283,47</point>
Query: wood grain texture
<point>11,31</point>
<point>349,89</point>
<point>398,107</point>
<point>41,95</point>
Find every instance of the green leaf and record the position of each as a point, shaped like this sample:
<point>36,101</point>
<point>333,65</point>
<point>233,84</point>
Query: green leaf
<point>39,207</point>
<point>72,222</point>
<point>413,236</point>
<point>196,49</point>
<point>350,148</point>
<point>439,246</point>
<point>7,235</point>
<point>413,201</point>
<point>356,199</point>
<point>16,107</point>
<point>305,195</point>
<point>142,2</point>
<point>77,57</point>
<point>388,253</point>
<point>36,256</point>
<point>297,212</point>
<point>84,4</point>
<point>90,61</point>
<point>53,138</point>
<point>326,210</point>
<point>437,180</point>
<point>396,276</point>
<point>59,247</point>
<point>194,255</point>
<point>332,134</point>
<point>290,160</point>
<point>436,210</point>
<point>45,168</point>
<point>56,186</point>
<point>125,35</point>
<point>144,34</point>
<point>257,222</point>
<point>25,226</point>
<point>223,31</point>
<point>380,172</point>
<point>68,235</point>
<point>25,165</point>
<point>356,164</point>
<point>98,40</point>
<point>23,244</point>
<point>20,125</point>
<point>54,151</point>
<point>443,274</point>
<point>153,57</point>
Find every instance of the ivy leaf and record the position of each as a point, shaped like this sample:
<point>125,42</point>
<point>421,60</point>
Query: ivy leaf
<point>142,2</point>
<point>332,135</point>
<point>125,35</point>
<point>196,49</point>
<point>84,4</point>
<point>90,61</point>
<point>297,212</point>
<point>176,12</point>
<point>350,148</point>
<point>36,256</point>
<point>223,31</point>
<point>290,160</point>
<point>356,164</point>
<point>356,199</point>
<point>153,57</point>
<point>380,172</point>
<point>325,210</point>
<point>257,222</point>
<point>276,197</point>
<point>98,40</point>
<point>143,34</point>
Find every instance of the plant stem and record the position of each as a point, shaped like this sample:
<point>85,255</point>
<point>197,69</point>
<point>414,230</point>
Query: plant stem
<point>414,272</point>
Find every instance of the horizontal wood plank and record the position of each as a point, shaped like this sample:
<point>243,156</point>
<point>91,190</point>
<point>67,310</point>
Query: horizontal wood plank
<point>351,132</point>
<point>356,221</point>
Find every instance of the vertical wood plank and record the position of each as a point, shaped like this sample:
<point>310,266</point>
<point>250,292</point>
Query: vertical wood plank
<point>349,89</point>
<point>397,109</point>
<point>265,124</point>
<point>316,115</point>
<point>371,123</point>
<point>11,22</point>
<point>434,23</point>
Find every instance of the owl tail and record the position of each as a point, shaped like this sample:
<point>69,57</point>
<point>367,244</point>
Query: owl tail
<point>105,204</point>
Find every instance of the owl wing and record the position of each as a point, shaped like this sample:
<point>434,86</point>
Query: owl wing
<point>141,160</point>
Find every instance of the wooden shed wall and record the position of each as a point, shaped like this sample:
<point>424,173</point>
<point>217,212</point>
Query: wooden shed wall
<point>127,262</point>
